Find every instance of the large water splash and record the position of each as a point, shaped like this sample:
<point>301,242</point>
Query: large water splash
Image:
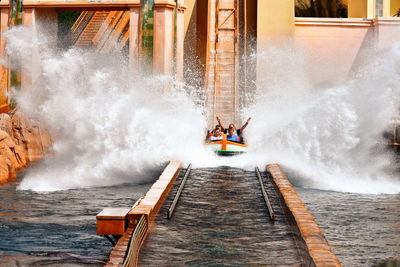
<point>329,137</point>
<point>113,126</point>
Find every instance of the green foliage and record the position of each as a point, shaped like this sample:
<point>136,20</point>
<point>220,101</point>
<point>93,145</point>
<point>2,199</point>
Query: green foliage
<point>16,12</point>
<point>65,21</point>
<point>15,79</point>
<point>147,32</point>
<point>13,103</point>
<point>68,18</point>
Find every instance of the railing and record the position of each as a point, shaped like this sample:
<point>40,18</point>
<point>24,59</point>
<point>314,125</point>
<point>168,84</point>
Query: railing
<point>266,197</point>
<point>80,24</point>
<point>136,242</point>
<point>113,33</point>
<point>178,194</point>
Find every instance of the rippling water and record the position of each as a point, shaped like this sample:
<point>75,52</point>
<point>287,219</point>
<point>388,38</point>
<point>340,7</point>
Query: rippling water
<point>59,228</point>
<point>221,220</point>
<point>362,230</point>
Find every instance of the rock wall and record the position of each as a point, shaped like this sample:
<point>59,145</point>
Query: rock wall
<point>22,141</point>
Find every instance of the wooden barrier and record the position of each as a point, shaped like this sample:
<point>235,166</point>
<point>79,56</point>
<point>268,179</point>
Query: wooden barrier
<point>4,108</point>
<point>112,221</point>
<point>310,232</point>
<point>141,218</point>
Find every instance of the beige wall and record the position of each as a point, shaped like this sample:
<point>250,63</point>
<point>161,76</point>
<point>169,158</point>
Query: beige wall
<point>333,47</point>
<point>389,31</point>
<point>361,8</point>
<point>394,7</point>
<point>390,7</point>
<point>189,12</point>
<point>275,20</point>
<point>275,27</point>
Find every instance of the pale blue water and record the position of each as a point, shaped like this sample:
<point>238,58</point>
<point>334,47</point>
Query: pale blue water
<point>362,230</point>
<point>59,228</point>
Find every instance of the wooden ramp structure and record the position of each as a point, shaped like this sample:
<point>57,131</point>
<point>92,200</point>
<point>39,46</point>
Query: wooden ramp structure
<point>217,217</point>
<point>106,30</point>
<point>221,220</point>
<point>103,25</point>
<point>222,62</point>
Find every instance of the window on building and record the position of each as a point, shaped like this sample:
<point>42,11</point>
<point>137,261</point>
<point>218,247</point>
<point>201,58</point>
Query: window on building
<point>321,8</point>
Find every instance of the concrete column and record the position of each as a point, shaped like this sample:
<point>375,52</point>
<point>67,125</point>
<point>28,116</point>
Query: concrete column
<point>41,21</point>
<point>163,42</point>
<point>134,39</point>
<point>362,9</point>
<point>390,7</point>
<point>46,23</point>
<point>4,71</point>
<point>180,36</point>
<point>28,19</point>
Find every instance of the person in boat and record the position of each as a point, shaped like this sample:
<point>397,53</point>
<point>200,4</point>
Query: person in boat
<point>237,132</point>
<point>232,136</point>
<point>211,133</point>
<point>216,134</point>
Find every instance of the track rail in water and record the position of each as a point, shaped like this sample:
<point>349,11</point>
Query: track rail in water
<point>220,221</point>
<point>178,194</point>
<point>266,197</point>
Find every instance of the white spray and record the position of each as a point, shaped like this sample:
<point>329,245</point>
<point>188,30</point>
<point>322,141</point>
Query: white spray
<point>330,138</point>
<point>112,127</point>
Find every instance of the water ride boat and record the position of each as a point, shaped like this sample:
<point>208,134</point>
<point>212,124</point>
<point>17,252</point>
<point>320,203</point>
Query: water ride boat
<point>226,148</point>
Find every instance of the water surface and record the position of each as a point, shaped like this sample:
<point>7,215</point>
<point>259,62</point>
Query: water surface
<point>58,228</point>
<point>362,230</point>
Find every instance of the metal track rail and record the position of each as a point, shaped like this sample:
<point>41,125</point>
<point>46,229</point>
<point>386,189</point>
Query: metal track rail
<point>136,242</point>
<point>266,198</point>
<point>178,193</point>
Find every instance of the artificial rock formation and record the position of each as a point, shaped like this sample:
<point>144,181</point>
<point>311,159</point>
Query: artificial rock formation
<point>22,141</point>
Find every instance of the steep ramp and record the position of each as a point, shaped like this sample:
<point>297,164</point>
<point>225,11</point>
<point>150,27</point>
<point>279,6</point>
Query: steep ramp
<point>221,220</point>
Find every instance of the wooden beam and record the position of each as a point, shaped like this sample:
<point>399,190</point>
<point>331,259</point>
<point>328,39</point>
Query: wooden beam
<point>4,71</point>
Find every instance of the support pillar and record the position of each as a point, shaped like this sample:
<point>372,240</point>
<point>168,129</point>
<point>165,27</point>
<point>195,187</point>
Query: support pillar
<point>222,62</point>
<point>4,71</point>
<point>362,9</point>
<point>163,48</point>
<point>180,36</point>
<point>134,38</point>
<point>391,8</point>
<point>32,17</point>
<point>28,19</point>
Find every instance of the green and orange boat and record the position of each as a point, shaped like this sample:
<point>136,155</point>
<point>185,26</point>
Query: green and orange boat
<point>226,148</point>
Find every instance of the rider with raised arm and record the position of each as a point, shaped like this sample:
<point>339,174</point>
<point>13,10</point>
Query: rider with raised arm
<point>232,126</point>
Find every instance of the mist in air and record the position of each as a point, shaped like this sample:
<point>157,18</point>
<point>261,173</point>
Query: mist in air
<point>112,126</point>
